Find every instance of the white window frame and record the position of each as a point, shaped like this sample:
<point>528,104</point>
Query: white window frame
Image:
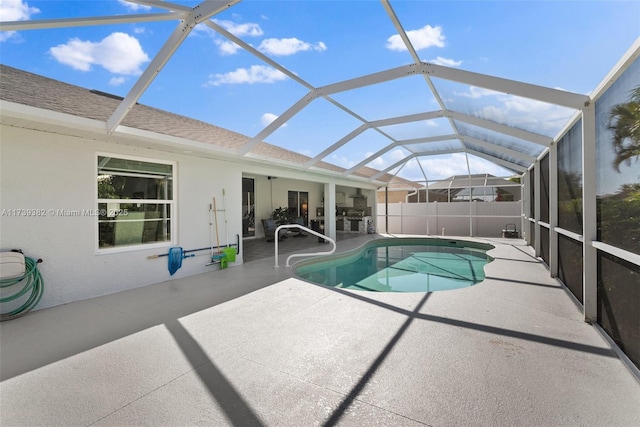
<point>172,204</point>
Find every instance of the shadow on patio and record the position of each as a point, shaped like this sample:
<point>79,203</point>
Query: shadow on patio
<point>227,348</point>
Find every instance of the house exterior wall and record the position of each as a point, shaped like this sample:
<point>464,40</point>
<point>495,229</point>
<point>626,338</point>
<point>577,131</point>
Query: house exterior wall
<point>395,196</point>
<point>47,171</point>
<point>55,172</point>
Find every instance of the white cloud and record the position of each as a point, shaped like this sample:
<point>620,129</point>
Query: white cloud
<point>239,30</point>
<point>446,62</point>
<point>440,167</point>
<point>423,38</point>
<point>255,74</point>
<point>528,114</point>
<point>134,7</point>
<point>478,92</point>
<point>387,159</point>
<point>14,10</point>
<point>288,46</point>
<point>226,47</point>
<point>342,161</point>
<point>118,53</point>
<point>116,81</point>
<point>268,118</point>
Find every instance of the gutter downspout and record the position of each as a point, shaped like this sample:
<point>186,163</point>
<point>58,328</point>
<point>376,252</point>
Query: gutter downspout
<point>406,198</point>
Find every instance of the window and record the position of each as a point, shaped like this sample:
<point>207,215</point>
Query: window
<point>299,205</point>
<point>135,202</point>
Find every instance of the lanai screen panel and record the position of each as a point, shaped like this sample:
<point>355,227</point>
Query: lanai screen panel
<point>393,98</point>
<point>511,110</point>
<point>361,147</point>
<point>570,180</point>
<point>478,165</point>
<point>430,147</point>
<point>497,154</point>
<point>507,141</point>
<point>391,157</point>
<point>313,128</point>
<point>436,167</point>
<point>419,129</point>
<point>248,115</point>
<point>295,37</point>
<point>618,176</point>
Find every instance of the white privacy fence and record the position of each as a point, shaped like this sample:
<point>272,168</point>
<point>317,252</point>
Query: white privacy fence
<point>482,219</point>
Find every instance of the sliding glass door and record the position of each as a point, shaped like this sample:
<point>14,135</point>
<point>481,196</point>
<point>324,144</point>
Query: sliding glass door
<point>248,207</point>
<point>299,205</point>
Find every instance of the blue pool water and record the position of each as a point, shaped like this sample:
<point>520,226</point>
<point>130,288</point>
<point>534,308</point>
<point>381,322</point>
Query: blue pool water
<point>401,265</point>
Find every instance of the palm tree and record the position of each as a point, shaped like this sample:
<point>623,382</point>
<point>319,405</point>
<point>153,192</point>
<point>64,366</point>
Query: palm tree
<point>625,124</point>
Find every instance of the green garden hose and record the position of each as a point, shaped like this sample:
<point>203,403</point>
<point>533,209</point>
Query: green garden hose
<point>31,281</point>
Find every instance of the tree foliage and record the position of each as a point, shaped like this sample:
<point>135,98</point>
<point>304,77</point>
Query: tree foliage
<point>624,121</point>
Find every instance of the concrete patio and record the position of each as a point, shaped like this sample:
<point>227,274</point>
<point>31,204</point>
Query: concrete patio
<point>250,345</point>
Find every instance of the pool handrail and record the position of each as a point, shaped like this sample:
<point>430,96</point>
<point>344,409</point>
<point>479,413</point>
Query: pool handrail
<point>308,230</point>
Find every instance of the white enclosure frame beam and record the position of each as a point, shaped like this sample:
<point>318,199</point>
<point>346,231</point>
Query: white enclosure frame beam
<point>553,210</point>
<point>511,87</point>
<point>369,79</point>
<point>497,84</point>
<point>373,125</point>
<point>200,13</point>
<point>281,120</point>
<point>416,59</point>
<point>589,213</point>
<point>337,145</point>
<point>438,152</point>
<point>536,215</point>
<point>330,210</point>
<point>526,206</point>
<point>498,127</point>
<point>536,92</point>
<point>258,138</point>
<point>40,24</point>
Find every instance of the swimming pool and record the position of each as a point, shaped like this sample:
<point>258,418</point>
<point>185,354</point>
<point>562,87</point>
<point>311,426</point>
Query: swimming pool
<point>401,265</point>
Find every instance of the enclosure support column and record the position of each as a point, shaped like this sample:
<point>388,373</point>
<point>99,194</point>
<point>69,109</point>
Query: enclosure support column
<point>426,190</point>
<point>470,197</point>
<point>386,209</point>
<point>330,210</point>
<point>536,214</point>
<point>526,207</point>
<point>589,219</point>
<point>553,209</point>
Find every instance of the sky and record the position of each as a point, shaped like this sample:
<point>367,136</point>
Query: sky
<point>569,45</point>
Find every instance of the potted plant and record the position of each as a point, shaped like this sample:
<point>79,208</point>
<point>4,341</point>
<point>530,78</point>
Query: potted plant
<point>282,215</point>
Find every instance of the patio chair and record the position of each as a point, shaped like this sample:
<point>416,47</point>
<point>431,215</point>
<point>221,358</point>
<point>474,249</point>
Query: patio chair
<point>300,221</point>
<point>510,230</point>
<point>270,226</point>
